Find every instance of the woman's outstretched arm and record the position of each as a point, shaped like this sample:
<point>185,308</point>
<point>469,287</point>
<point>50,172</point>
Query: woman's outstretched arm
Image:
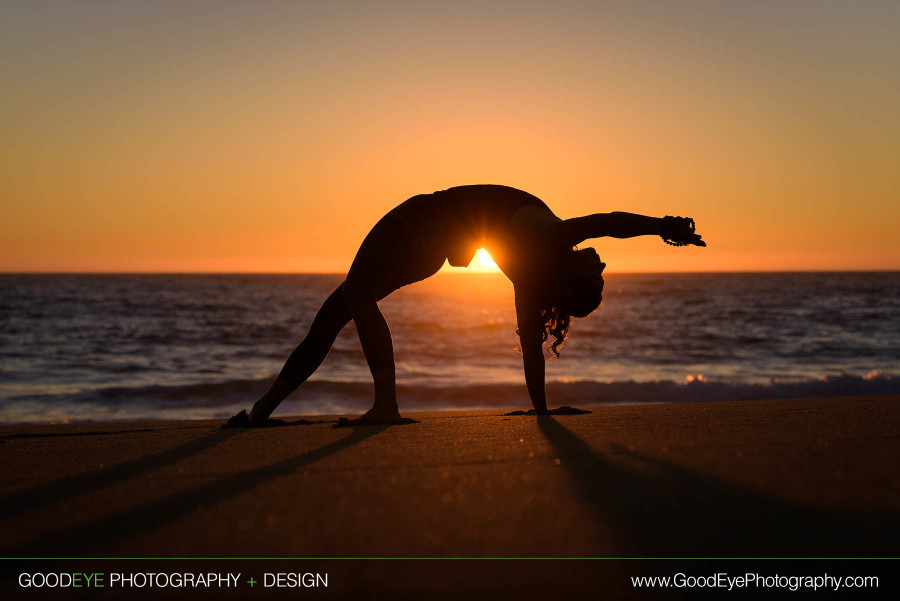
<point>619,224</point>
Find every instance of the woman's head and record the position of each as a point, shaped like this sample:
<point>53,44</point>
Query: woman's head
<point>573,288</point>
<point>579,286</point>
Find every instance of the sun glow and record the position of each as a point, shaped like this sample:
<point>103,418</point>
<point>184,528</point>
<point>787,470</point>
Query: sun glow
<point>216,161</point>
<point>485,261</point>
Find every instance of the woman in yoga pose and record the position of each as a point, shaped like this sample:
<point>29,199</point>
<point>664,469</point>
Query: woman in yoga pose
<point>534,248</point>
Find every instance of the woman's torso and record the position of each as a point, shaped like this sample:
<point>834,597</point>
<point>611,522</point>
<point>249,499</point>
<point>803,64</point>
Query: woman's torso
<point>481,216</point>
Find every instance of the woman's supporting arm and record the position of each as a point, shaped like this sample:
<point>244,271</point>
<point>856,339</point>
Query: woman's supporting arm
<point>530,330</point>
<point>533,358</point>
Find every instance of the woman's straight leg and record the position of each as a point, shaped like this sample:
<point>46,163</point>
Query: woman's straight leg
<point>308,355</point>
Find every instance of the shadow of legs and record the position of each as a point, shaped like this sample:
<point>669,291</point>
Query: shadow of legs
<point>81,539</point>
<point>52,492</point>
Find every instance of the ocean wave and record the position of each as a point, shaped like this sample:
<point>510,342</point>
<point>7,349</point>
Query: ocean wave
<point>697,389</point>
<point>328,396</point>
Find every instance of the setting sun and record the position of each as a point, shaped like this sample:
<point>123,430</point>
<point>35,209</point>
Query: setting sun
<point>485,261</point>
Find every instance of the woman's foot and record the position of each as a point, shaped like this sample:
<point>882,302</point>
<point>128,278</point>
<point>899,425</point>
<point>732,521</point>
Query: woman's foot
<point>564,410</point>
<point>238,420</point>
<point>242,420</point>
<point>375,416</point>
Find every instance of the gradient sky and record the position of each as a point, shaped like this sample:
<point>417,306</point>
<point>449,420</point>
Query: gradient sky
<point>270,136</point>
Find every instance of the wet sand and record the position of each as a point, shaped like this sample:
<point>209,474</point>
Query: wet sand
<point>779,478</point>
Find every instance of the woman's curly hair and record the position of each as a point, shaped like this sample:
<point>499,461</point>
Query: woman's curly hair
<point>555,322</point>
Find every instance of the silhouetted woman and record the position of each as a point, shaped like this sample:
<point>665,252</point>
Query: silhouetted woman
<point>533,247</point>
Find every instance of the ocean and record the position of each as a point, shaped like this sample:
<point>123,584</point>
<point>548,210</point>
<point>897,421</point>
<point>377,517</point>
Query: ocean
<point>141,347</point>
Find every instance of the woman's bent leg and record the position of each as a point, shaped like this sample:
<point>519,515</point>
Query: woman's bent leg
<point>398,251</point>
<point>375,338</point>
<point>307,357</point>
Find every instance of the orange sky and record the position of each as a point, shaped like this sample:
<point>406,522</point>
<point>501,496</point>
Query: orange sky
<point>270,136</point>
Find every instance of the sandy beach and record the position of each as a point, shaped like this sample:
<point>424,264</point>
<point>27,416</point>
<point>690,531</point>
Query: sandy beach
<point>786,478</point>
<point>709,479</point>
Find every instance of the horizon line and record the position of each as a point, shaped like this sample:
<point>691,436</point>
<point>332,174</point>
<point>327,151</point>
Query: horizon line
<point>454,272</point>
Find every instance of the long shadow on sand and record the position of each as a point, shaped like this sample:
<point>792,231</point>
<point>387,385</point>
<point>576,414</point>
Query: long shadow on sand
<point>45,494</point>
<point>660,509</point>
<point>70,434</point>
<point>83,539</point>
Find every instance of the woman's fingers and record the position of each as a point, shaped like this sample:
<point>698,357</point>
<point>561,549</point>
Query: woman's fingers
<point>687,233</point>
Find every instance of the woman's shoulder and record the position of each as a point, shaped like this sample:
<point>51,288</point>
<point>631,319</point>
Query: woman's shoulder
<point>536,223</point>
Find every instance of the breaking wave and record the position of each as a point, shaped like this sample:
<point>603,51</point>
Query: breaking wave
<point>323,397</point>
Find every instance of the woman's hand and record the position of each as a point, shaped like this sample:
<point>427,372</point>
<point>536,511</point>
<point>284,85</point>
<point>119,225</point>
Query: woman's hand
<point>679,231</point>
